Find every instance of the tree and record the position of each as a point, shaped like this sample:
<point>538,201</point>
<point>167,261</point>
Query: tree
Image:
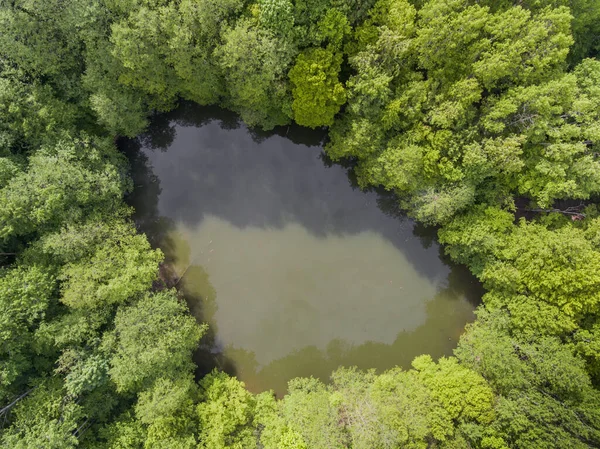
<point>63,184</point>
<point>153,338</point>
<point>46,418</point>
<point>25,294</point>
<point>277,16</point>
<point>391,410</point>
<point>472,112</point>
<point>120,108</point>
<point>225,413</point>
<point>318,95</point>
<point>167,409</point>
<point>275,433</point>
<point>105,263</point>
<point>141,45</point>
<point>309,412</point>
<point>254,63</point>
<point>548,285</point>
<point>333,29</point>
<point>477,236</point>
<point>545,398</point>
<point>124,432</point>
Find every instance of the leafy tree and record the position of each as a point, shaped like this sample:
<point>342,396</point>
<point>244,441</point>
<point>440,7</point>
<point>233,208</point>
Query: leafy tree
<point>476,237</point>
<point>318,95</point>
<point>225,413</point>
<point>277,16</point>
<point>141,45</point>
<point>121,267</point>
<point>548,285</point>
<point>485,123</point>
<point>391,410</point>
<point>254,63</point>
<point>307,14</point>
<point>333,29</point>
<point>46,418</point>
<point>44,41</point>
<point>153,338</point>
<point>31,114</point>
<point>125,432</point>
<point>463,394</point>
<point>310,413</point>
<point>168,411</point>
<point>545,396</point>
<point>63,184</point>
<point>121,109</point>
<point>25,294</point>
<point>275,433</point>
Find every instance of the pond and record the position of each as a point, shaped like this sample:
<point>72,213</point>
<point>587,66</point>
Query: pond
<point>296,270</point>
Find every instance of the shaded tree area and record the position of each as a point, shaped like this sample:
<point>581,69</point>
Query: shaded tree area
<point>462,108</point>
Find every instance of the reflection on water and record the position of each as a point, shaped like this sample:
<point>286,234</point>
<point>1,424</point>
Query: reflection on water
<point>296,270</point>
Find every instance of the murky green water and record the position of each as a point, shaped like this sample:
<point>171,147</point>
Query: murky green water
<point>295,269</point>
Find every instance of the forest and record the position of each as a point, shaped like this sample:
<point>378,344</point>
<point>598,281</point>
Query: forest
<point>483,117</point>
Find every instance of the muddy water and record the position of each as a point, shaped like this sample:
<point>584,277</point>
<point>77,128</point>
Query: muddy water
<point>296,270</point>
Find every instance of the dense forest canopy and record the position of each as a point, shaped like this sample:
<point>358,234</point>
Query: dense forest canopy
<point>483,117</point>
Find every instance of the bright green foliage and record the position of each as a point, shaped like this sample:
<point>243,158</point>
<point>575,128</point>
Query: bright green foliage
<point>548,285</point>
<point>141,44</point>
<point>468,110</point>
<point>163,50</point>
<point>102,263</point>
<point>46,418</point>
<point>391,410</point>
<point>463,394</point>
<point>436,404</point>
<point>333,29</point>
<point>25,295</point>
<point>125,432</point>
<point>545,396</point>
<point>275,432</point>
<point>152,338</point>
<point>318,95</point>
<point>475,237</point>
<point>307,14</point>
<point>119,108</point>
<point>168,411</point>
<point>211,16</point>
<point>43,39</point>
<point>225,413</point>
<point>31,115</point>
<point>63,184</point>
<point>76,327</point>
<point>105,264</point>
<point>9,167</point>
<point>277,16</point>
<point>84,371</point>
<point>495,115</point>
<point>309,411</point>
<point>355,10</point>
<point>584,23</point>
<point>193,29</point>
<point>587,344</point>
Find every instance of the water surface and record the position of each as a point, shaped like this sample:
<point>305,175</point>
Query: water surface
<point>296,270</point>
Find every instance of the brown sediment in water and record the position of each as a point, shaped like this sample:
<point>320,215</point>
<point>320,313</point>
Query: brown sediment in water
<point>167,277</point>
